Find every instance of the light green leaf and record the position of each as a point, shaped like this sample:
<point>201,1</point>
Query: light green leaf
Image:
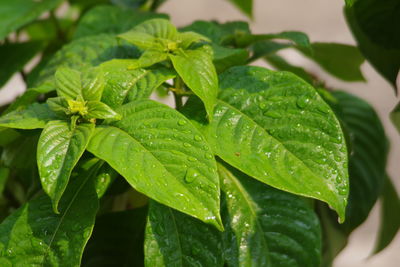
<point>68,82</point>
<point>275,127</point>
<point>175,239</point>
<point>188,38</point>
<point>141,39</point>
<point>92,85</point>
<point>367,161</point>
<point>390,219</point>
<point>246,6</point>
<point>15,14</point>
<point>33,117</point>
<point>35,236</point>
<point>123,246</point>
<point>162,156</point>
<point>395,117</point>
<point>99,110</point>
<point>341,60</point>
<point>10,63</point>
<point>151,57</point>
<point>265,226</point>
<point>197,70</point>
<point>59,149</point>
<point>111,19</point>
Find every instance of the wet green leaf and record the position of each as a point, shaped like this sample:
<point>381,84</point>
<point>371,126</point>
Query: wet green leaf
<point>162,155</point>
<point>59,149</point>
<point>99,110</point>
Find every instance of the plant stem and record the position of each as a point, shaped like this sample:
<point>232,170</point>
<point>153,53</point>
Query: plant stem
<point>178,85</point>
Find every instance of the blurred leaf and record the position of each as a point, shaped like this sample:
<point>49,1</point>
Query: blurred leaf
<point>117,240</point>
<point>390,217</point>
<point>14,56</point>
<point>340,60</point>
<point>395,117</point>
<point>266,48</point>
<point>246,6</point>
<point>225,58</point>
<point>280,63</point>
<point>16,13</point>
<point>381,18</point>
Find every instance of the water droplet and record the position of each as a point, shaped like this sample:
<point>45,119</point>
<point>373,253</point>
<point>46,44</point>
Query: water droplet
<point>195,249</point>
<point>191,175</point>
<point>192,159</point>
<point>187,145</point>
<point>339,180</point>
<point>262,105</point>
<point>323,108</point>
<point>198,137</point>
<point>209,156</point>
<point>10,252</point>
<point>182,122</point>
<point>273,114</point>
<point>302,101</point>
<point>342,191</point>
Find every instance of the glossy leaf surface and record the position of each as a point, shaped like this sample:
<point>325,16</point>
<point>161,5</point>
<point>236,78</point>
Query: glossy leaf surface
<point>275,127</point>
<point>59,149</point>
<point>197,70</point>
<point>33,117</point>
<point>265,226</point>
<point>163,156</point>
<point>35,236</point>
<point>175,239</point>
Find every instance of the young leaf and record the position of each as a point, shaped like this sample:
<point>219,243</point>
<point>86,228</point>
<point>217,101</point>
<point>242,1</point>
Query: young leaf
<point>59,105</point>
<point>142,40</point>
<point>265,226</point>
<point>17,13</point>
<point>151,57</point>
<point>35,236</point>
<point>275,127</point>
<point>188,38</point>
<point>99,110</point>
<point>33,117</point>
<point>123,246</point>
<point>111,19</point>
<point>390,220</point>
<point>340,60</point>
<point>176,239</point>
<point>197,70</point>
<point>162,156</point>
<point>68,82</point>
<point>59,149</point>
<point>367,160</point>
<point>92,85</point>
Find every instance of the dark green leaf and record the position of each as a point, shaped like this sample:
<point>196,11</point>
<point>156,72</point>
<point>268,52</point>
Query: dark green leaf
<point>267,48</point>
<point>197,70</point>
<point>390,218</point>
<point>112,20</point>
<point>385,60</point>
<point>175,239</point>
<point>117,240</point>
<point>367,160</point>
<point>225,58</point>
<point>15,14</point>
<point>33,117</point>
<point>4,173</point>
<point>265,226</point>
<point>395,117</point>
<point>156,144</point>
<point>59,149</point>
<point>340,60</point>
<point>246,6</point>
<point>99,110</point>
<point>280,63</point>
<point>275,127</point>
<point>14,56</point>
<point>35,236</point>
<point>59,105</point>
<point>7,136</point>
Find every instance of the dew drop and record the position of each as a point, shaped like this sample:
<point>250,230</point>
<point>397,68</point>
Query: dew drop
<point>262,105</point>
<point>342,191</point>
<point>181,122</point>
<point>209,156</point>
<point>10,252</point>
<point>187,145</point>
<point>191,175</point>
<point>302,101</point>
<point>273,114</point>
<point>323,109</point>
<point>192,159</point>
<point>197,137</point>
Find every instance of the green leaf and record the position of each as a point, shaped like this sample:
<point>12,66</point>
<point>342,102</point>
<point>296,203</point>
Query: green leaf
<point>35,236</point>
<point>32,117</point>
<point>265,226</point>
<point>99,110</point>
<point>390,219</point>
<point>275,127</point>
<point>197,70</point>
<point>155,144</point>
<point>395,117</point>
<point>341,60</point>
<point>368,147</point>
<point>151,57</point>
<point>17,13</point>
<point>10,63</point>
<point>59,149</point>
<point>59,105</point>
<point>175,239</point>
<point>123,246</point>
<point>267,48</point>
<point>299,39</point>
<point>112,20</point>
<point>92,85</point>
<point>141,39</point>
<point>384,59</point>
<point>188,38</point>
<point>4,173</point>
<point>7,136</point>
<point>68,82</point>
<point>280,63</point>
<point>83,54</point>
<point>225,58</point>
<point>246,6</point>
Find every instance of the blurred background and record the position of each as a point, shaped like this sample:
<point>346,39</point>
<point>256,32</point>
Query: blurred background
<point>323,21</point>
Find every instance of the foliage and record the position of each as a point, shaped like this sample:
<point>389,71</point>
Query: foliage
<point>253,167</point>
